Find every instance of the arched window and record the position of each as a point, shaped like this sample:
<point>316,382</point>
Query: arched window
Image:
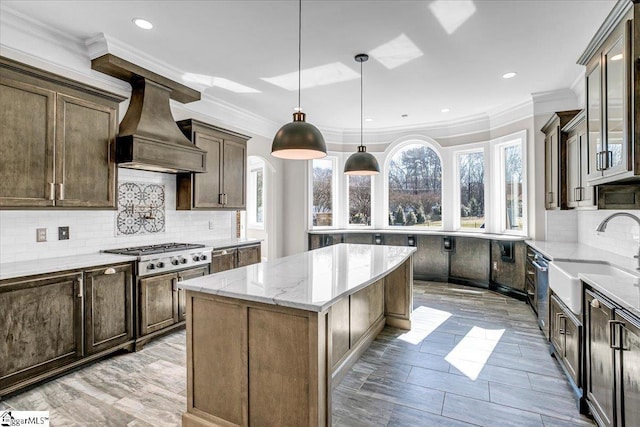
<point>414,185</point>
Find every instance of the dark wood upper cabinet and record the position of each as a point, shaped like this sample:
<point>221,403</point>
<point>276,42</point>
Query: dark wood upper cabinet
<point>612,92</point>
<point>57,141</point>
<point>223,186</point>
<point>579,192</point>
<point>555,159</point>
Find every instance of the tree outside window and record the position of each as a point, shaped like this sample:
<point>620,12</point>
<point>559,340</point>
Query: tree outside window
<point>359,199</point>
<point>471,175</point>
<point>415,187</point>
<point>322,199</point>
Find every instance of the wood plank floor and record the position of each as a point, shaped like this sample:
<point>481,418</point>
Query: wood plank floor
<point>473,357</point>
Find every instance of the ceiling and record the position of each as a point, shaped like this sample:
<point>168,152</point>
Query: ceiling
<point>246,41</point>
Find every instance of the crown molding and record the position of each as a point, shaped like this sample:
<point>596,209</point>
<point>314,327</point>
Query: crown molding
<point>611,21</point>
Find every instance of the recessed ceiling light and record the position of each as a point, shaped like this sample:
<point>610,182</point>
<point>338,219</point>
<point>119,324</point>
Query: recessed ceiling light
<point>317,76</point>
<point>509,75</point>
<point>445,110</point>
<point>396,52</point>
<point>404,115</point>
<point>368,119</point>
<point>143,23</point>
<point>617,57</point>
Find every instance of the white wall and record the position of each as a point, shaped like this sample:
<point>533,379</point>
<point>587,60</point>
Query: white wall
<point>92,231</point>
<point>621,236</point>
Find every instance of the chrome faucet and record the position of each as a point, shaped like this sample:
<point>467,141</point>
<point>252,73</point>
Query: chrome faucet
<point>605,222</point>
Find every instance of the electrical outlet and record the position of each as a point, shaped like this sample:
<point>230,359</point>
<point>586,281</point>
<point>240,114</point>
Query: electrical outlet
<point>41,234</point>
<point>210,224</point>
<point>63,233</point>
<point>495,265</point>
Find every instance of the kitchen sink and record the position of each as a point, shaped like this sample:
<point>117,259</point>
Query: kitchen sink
<point>564,281</point>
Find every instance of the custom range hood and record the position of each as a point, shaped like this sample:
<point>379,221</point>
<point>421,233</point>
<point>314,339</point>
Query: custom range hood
<point>149,138</point>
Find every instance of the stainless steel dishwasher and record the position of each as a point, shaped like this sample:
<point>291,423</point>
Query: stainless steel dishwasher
<point>541,265</point>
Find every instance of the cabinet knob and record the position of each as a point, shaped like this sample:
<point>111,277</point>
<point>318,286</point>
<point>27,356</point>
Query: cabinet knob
<point>595,303</point>
<point>110,270</point>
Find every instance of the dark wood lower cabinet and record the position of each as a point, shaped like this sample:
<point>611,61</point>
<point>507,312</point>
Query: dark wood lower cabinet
<point>612,362</point>
<point>158,302</point>
<point>41,327</point>
<point>565,332</point>
<point>182,294</point>
<point>223,260</point>
<point>248,255</point>
<point>108,307</point>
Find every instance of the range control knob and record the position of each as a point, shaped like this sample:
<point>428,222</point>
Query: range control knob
<point>184,260</point>
<point>175,261</point>
<point>160,264</point>
<point>196,258</point>
<point>151,266</point>
<point>203,257</point>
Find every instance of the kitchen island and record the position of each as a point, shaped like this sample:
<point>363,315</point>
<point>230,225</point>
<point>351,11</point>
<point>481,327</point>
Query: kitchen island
<point>267,342</point>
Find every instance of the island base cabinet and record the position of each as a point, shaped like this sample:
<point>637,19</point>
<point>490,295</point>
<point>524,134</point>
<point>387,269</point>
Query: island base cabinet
<point>398,297</point>
<point>41,328</point>
<point>252,364</point>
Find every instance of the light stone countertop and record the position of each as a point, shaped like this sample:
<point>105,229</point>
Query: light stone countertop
<point>34,267</point>
<point>229,243</point>
<point>311,280</point>
<point>418,232</point>
<point>623,291</point>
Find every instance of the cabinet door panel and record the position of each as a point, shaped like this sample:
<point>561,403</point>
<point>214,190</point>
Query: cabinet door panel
<point>572,333</point>
<point>208,185</point>
<point>248,255</point>
<point>573,171</point>
<point>108,307</point>
<point>85,163</point>
<point>234,180</point>
<point>600,367</point>
<point>616,107</point>
<point>366,307</point>
<point>587,191</point>
<point>556,332</point>
<point>430,262</point>
<point>594,121</point>
<point>40,326</point>
<point>182,294</point>
<point>158,303</point>
<point>470,259</point>
<point>223,260</point>
<point>551,170</point>
<point>630,381</point>
<point>26,144</point>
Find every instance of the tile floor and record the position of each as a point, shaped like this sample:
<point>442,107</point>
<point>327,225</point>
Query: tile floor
<point>473,357</point>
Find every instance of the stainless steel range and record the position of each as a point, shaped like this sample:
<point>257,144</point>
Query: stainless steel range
<point>166,257</point>
<point>160,306</point>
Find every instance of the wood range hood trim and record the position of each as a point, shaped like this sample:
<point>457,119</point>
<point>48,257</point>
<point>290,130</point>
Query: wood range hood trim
<point>149,137</point>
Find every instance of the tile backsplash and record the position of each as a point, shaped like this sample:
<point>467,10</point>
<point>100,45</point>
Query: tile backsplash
<point>92,231</point>
<point>621,236</point>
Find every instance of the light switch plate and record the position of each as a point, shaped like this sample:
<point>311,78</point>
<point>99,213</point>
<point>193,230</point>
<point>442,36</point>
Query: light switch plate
<point>41,234</point>
<point>211,225</point>
<point>63,233</point>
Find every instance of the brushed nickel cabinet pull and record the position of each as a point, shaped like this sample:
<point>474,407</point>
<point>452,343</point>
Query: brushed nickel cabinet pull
<point>52,191</point>
<point>80,287</point>
<point>174,285</point>
<point>110,270</point>
<point>220,199</point>
<point>61,190</point>
<point>612,333</point>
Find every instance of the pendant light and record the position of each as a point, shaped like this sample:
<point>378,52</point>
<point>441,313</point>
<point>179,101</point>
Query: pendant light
<point>361,163</point>
<point>299,140</point>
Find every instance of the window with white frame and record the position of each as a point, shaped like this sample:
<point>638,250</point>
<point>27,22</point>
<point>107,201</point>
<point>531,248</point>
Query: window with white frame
<point>470,187</point>
<point>510,183</point>
<point>255,193</point>
<point>359,191</point>
<point>322,192</point>
<point>414,183</point>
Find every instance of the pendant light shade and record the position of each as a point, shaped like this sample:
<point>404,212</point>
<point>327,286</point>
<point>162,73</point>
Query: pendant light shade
<point>361,163</point>
<point>299,140</point>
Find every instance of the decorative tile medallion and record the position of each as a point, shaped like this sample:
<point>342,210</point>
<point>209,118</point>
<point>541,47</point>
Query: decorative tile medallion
<point>140,208</point>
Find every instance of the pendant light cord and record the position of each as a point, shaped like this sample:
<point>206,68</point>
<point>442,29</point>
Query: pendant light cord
<point>361,108</point>
<point>299,50</point>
